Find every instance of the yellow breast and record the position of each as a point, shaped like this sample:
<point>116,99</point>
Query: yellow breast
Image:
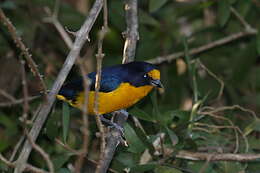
<point>123,97</point>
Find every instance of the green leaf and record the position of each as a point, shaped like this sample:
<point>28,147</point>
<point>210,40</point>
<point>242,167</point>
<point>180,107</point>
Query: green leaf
<point>135,144</point>
<point>174,138</point>
<point>59,160</point>
<point>65,120</point>
<point>232,1</point>
<point>258,42</point>
<point>254,126</point>
<point>154,5</point>
<point>139,113</point>
<point>52,125</point>
<point>126,159</point>
<point>142,168</point>
<point>165,169</point>
<point>223,12</point>
<point>8,5</point>
<point>64,170</point>
<point>156,111</point>
<point>145,18</point>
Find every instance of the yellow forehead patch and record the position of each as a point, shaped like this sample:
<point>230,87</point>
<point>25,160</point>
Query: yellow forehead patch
<point>154,74</point>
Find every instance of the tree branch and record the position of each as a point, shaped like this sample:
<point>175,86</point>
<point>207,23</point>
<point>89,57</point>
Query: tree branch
<point>188,155</point>
<point>81,38</point>
<point>203,48</point>
<point>114,137</point>
<point>25,51</point>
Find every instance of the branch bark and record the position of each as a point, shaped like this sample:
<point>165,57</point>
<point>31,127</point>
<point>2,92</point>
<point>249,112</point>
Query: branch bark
<point>114,137</point>
<point>203,48</point>
<point>25,51</point>
<point>188,155</point>
<point>81,37</point>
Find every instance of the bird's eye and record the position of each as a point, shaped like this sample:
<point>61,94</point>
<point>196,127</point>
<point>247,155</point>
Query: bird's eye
<point>145,76</point>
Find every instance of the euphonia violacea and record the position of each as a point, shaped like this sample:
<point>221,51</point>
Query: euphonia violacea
<point>121,86</point>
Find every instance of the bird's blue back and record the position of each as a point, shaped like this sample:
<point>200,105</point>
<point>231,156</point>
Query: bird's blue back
<point>111,78</point>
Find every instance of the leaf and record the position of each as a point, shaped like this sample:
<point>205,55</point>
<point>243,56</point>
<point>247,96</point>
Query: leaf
<point>254,126</point>
<point>154,5</point>
<point>258,42</point>
<point>232,1</point>
<point>59,160</point>
<point>64,170</point>
<point>139,113</point>
<point>8,5</point>
<point>174,138</point>
<point>223,12</point>
<point>145,18</point>
<point>142,168</point>
<point>52,125</point>
<point>135,144</point>
<point>65,120</point>
<point>156,111</point>
<point>165,169</point>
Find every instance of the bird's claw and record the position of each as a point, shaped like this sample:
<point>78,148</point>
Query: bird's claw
<point>118,127</point>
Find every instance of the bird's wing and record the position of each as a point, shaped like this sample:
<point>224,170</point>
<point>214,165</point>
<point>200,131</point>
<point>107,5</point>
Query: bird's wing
<point>108,83</point>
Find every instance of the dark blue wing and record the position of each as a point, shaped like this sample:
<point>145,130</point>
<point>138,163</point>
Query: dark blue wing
<point>108,83</point>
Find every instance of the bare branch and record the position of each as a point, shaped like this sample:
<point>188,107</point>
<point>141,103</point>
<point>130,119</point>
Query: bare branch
<point>131,32</point>
<point>85,128</point>
<point>18,101</point>
<point>114,137</point>
<point>99,58</point>
<point>25,51</point>
<point>241,19</point>
<point>70,60</point>
<point>188,155</point>
<point>200,49</point>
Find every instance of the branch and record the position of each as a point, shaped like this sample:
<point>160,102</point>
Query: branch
<point>81,38</point>
<point>197,50</point>
<point>99,58</point>
<point>19,44</point>
<point>114,137</point>
<point>131,32</point>
<point>17,101</point>
<point>188,155</point>
<point>28,167</point>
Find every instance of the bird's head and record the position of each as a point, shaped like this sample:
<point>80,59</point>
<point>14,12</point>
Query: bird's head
<point>143,73</point>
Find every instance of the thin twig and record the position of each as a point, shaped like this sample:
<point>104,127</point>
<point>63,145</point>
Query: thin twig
<point>54,20</point>
<point>222,84</point>
<point>44,155</point>
<point>99,58</point>
<point>240,18</point>
<point>226,108</point>
<point>18,101</point>
<point>85,128</point>
<point>84,150</point>
<point>6,95</point>
<point>81,38</point>
<point>25,115</point>
<point>203,48</point>
<point>28,167</point>
<point>114,137</point>
<point>131,33</point>
<point>188,155</point>
<point>25,51</point>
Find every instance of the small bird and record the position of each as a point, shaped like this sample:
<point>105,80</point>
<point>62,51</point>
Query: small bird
<point>121,87</point>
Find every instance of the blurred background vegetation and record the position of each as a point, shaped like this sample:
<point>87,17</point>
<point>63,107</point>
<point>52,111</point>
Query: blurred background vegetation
<point>192,113</point>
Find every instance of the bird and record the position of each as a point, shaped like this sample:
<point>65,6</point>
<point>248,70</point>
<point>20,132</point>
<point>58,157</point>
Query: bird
<point>121,86</point>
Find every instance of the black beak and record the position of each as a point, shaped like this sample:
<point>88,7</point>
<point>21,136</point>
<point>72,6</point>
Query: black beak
<point>156,83</point>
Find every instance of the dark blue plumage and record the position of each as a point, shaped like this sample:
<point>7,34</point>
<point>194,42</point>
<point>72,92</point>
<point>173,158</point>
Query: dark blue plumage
<point>111,78</point>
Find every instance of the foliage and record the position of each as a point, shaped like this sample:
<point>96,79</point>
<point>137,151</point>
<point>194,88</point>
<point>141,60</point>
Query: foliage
<point>186,115</point>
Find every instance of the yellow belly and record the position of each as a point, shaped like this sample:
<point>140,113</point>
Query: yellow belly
<point>123,97</point>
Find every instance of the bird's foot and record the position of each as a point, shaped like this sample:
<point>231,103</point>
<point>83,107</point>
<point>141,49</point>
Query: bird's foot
<point>112,125</point>
<point>123,112</point>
